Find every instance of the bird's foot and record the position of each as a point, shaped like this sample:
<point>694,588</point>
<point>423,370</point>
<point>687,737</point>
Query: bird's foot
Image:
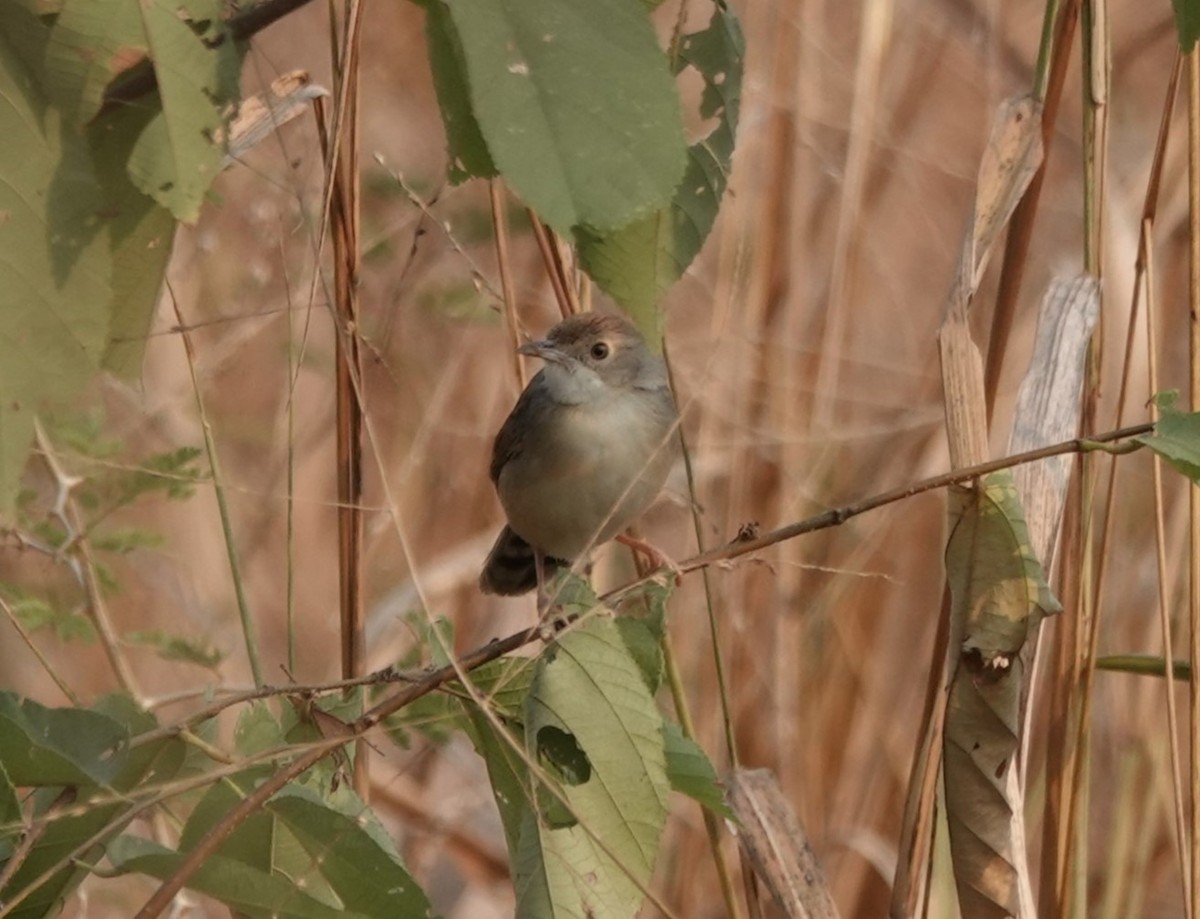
<point>655,557</point>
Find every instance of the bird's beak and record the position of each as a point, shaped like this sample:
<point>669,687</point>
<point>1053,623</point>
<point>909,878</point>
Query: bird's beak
<point>543,349</point>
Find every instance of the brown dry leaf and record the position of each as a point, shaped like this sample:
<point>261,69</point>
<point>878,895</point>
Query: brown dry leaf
<point>776,845</point>
<point>1047,409</point>
<point>1012,156</point>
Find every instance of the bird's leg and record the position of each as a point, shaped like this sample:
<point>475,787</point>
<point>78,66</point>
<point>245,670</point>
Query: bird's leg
<point>547,624</point>
<point>543,597</point>
<point>654,556</point>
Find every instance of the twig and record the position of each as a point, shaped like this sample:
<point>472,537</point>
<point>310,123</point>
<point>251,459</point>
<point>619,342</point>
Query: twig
<point>840,515</point>
<point>212,840</point>
<point>32,834</point>
<point>210,447</point>
<point>1048,87</point>
<point>379,677</point>
<point>546,246</point>
<point>28,639</point>
<point>500,225</point>
<point>207,845</point>
<point>79,552</point>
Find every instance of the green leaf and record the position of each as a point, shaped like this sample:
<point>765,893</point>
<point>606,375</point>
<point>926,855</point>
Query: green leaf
<point>590,688</point>
<point>576,104</point>
<point>91,43</point>
<point>1144,665</point>
<point>176,152</point>
<point>197,64</point>
<point>1187,22</point>
<point>249,890</point>
<point>141,236</point>
<point>42,746</point>
<point>257,730</point>
<point>177,648</point>
<point>54,268</point>
<point>11,815</point>
<point>507,773</point>
<point>637,263</point>
<point>123,540</point>
<point>692,773</point>
<point>1176,437</point>
<point>326,845</point>
<point>997,585</point>
<point>95,742</point>
<point>468,152</point>
<point>349,851</point>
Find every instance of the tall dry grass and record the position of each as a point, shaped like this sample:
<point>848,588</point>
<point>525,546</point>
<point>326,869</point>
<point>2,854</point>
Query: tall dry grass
<point>803,341</point>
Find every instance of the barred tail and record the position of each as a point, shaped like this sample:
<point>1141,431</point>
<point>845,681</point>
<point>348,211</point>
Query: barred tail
<point>510,568</point>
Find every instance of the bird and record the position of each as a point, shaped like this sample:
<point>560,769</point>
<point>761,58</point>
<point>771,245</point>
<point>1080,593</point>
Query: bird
<point>584,452</point>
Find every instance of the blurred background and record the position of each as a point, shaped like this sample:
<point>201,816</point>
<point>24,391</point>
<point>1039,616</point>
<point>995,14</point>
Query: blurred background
<point>803,343</point>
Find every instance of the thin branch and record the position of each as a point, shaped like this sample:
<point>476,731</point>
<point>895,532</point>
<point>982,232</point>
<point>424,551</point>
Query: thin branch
<point>213,839</point>
<point>210,447</point>
<point>839,515</point>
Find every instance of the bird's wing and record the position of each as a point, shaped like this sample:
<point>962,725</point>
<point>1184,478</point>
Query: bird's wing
<point>509,441</point>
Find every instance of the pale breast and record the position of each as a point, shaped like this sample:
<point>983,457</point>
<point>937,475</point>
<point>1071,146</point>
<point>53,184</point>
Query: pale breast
<point>585,473</point>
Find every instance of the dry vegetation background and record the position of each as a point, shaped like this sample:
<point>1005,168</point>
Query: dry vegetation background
<point>804,345</point>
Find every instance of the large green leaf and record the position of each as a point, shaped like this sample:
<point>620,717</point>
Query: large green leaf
<point>468,151</point>
<point>55,272</point>
<point>91,43</point>
<point>638,262</point>
<point>245,888</point>
<point>349,851</point>
<point>177,153</point>
<point>590,719</point>
<point>576,104</point>
<point>44,747</point>
<point>315,842</point>
<point>140,237</point>
<point>316,849</point>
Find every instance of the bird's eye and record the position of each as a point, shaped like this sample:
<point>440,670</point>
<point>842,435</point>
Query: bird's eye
<point>600,350</point>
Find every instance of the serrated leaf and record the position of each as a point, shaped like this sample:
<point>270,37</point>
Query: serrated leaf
<point>1176,437</point>
<point>637,263</point>
<point>468,153</point>
<point>141,237</point>
<point>177,156</point>
<point>691,772</point>
<point>54,268</point>
<point>507,773</point>
<point>588,686</point>
<point>576,104</point>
